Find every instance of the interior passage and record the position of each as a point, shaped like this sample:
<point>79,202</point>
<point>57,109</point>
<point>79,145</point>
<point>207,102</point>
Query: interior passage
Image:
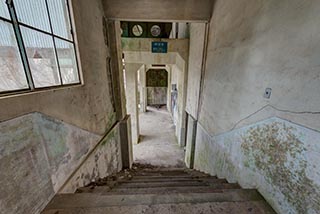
<point>158,144</point>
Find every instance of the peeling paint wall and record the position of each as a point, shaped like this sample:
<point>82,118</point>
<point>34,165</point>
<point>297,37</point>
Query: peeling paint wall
<point>104,161</point>
<point>37,155</point>
<point>275,156</point>
<point>254,45</point>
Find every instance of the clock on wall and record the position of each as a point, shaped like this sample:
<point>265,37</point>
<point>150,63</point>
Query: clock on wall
<point>137,30</point>
<point>155,30</point>
<point>146,29</point>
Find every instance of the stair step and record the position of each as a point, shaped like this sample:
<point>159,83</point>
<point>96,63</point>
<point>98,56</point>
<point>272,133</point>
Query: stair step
<point>168,190</point>
<point>87,200</point>
<point>164,180</point>
<point>164,169</point>
<point>162,184</point>
<point>141,177</point>
<point>215,187</point>
<point>173,173</point>
<point>245,207</point>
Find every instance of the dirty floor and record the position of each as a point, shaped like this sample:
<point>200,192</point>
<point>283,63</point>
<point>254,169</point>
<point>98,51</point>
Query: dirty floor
<point>158,145</point>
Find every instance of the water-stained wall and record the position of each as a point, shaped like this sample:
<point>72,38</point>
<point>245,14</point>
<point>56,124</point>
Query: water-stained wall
<point>157,86</point>
<point>255,45</point>
<point>38,153</point>
<point>88,106</point>
<point>277,157</point>
<point>104,160</point>
<point>37,156</point>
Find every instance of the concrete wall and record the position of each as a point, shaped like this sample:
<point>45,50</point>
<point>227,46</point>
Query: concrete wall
<point>254,45</point>
<point>139,51</point>
<point>89,106</point>
<point>183,30</point>
<point>197,41</point>
<point>143,46</point>
<point>132,98</point>
<point>178,10</point>
<point>157,95</point>
<point>275,156</point>
<point>142,89</point>
<point>103,161</point>
<point>40,153</point>
<point>190,141</point>
<point>178,78</point>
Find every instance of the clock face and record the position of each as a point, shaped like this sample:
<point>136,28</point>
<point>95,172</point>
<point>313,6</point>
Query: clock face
<point>155,30</point>
<point>137,30</point>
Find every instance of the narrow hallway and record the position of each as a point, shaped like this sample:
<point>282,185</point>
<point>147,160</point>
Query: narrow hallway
<point>158,145</point>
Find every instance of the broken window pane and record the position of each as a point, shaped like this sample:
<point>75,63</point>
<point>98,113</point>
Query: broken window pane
<point>59,15</point>
<point>67,61</point>
<point>41,56</point>
<point>4,9</point>
<point>12,75</point>
<point>33,13</point>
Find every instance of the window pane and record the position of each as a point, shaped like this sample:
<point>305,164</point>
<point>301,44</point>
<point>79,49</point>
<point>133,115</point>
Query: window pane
<point>67,62</point>
<point>4,9</point>
<point>41,55</point>
<point>59,15</point>
<point>33,13</point>
<point>12,75</point>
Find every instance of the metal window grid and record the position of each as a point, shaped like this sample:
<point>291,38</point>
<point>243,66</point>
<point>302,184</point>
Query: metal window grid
<point>23,54</point>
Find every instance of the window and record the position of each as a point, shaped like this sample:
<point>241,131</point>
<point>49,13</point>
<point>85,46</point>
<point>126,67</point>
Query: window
<point>37,48</point>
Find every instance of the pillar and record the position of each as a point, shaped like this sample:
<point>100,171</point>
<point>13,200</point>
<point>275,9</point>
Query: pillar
<point>131,70</point>
<point>143,89</point>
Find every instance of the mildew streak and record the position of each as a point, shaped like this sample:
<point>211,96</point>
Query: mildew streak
<point>276,152</point>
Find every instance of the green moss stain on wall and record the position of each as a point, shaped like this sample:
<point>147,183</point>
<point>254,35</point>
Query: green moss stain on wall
<point>109,138</point>
<point>276,151</point>
<point>157,78</point>
<point>111,119</point>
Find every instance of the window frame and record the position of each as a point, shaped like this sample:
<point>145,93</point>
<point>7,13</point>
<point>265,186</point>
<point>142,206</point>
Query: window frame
<point>14,22</point>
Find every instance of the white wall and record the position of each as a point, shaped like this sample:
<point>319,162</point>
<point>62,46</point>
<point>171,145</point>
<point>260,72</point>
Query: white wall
<point>254,45</point>
<point>196,49</point>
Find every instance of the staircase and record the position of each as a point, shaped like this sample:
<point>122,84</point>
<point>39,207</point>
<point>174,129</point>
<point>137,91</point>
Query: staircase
<point>160,190</point>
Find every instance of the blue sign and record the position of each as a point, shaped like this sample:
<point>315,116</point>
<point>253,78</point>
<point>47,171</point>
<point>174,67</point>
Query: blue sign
<point>159,47</point>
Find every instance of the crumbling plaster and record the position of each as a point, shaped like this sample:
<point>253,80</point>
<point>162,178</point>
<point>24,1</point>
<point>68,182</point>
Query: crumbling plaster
<point>46,136</point>
<point>38,153</point>
<point>254,45</point>
<point>275,156</point>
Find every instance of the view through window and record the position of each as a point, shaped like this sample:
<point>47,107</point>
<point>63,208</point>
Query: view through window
<point>37,47</point>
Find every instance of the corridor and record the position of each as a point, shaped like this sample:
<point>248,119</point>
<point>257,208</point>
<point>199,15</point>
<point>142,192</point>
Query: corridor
<point>240,80</point>
<point>158,145</point>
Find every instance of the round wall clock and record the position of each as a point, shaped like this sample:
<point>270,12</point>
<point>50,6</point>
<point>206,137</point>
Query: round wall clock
<point>137,30</point>
<point>155,30</point>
